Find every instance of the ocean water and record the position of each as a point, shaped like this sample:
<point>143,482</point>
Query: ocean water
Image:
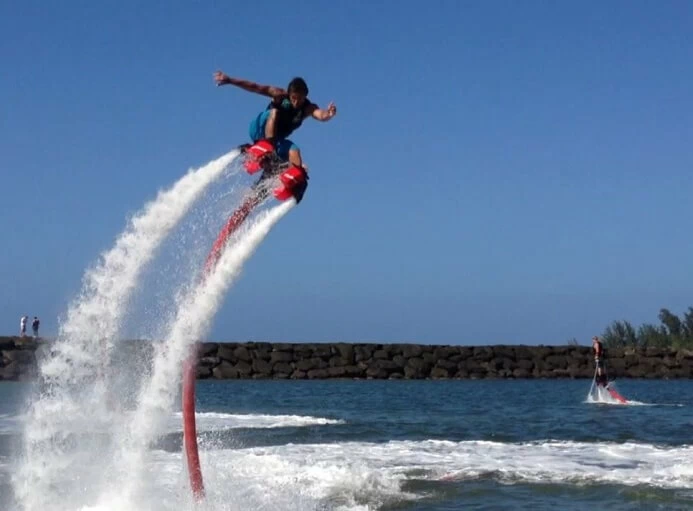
<point>411,445</point>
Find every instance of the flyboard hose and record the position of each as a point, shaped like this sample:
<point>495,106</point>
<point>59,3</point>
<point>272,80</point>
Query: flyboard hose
<point>190,364</point>
<point>190,369</point>
<point>189,426</point>
<point>293,185</point>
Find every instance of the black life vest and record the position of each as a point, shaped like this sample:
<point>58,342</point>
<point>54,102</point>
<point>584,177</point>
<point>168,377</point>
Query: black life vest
<point>598,349</point>
<point>289,118</point>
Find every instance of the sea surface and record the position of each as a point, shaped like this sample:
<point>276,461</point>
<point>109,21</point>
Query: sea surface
<point>412,445</point>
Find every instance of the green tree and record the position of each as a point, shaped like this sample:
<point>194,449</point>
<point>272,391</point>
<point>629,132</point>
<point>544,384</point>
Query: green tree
<point>688,326</point>
<point>671,322</point>
<point>651,335</point>
<point>680,333</point>
<point>673,332</point>
<point>619,334</point>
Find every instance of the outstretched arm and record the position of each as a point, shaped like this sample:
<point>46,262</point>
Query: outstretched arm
<point>264,90</point>
<point>322,115</point>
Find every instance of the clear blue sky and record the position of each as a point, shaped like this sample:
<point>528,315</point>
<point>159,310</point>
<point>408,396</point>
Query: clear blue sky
<point>498,172</point>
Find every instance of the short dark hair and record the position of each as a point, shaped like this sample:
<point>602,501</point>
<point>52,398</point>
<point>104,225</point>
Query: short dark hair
<point>299,85</point>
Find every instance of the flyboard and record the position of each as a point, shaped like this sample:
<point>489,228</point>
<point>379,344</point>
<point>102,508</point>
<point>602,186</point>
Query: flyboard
<point>288,181</point>
<point>599,385</point>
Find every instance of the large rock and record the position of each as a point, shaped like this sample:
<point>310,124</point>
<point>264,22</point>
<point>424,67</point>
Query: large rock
<point>225,371</point>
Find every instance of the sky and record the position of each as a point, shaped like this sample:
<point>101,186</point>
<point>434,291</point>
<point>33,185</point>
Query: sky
<point>499,172</point>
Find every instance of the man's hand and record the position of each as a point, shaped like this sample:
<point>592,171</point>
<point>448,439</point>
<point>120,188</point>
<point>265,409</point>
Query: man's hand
<point>323,114</point>
<point>221,78</point>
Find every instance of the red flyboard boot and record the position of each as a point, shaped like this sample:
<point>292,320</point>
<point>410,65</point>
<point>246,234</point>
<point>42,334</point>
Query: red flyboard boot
<point>294,182</point>
<point>256,154</point>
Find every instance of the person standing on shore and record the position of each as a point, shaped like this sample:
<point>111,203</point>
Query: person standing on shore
<point>22,325</point>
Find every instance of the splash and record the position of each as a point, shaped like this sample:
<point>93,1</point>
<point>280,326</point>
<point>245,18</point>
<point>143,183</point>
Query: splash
<point>67,425</point>
<point>195,311</point>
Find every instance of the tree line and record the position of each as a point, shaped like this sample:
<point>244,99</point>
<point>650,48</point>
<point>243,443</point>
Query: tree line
<point>672,331</point>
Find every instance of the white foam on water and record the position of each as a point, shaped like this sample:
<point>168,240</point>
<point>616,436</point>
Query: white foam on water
<point>354,474</point>
<point>367,476</point>
<point>564,462</point>
<point>206,421</point>
<point>211,421</point>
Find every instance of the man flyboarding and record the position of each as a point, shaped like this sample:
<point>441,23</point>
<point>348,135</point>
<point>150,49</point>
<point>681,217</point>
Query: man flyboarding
<point>285,113</point>
<point>598,351</point>
<point>268,132</point>
<point>601,378</point>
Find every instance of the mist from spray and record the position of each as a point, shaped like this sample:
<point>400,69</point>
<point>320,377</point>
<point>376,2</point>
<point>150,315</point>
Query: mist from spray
<point>67,424</point>
<point>195,311</point>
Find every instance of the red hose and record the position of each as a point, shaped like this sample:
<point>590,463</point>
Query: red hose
<point>190,364</point>
<point>189,428</point>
